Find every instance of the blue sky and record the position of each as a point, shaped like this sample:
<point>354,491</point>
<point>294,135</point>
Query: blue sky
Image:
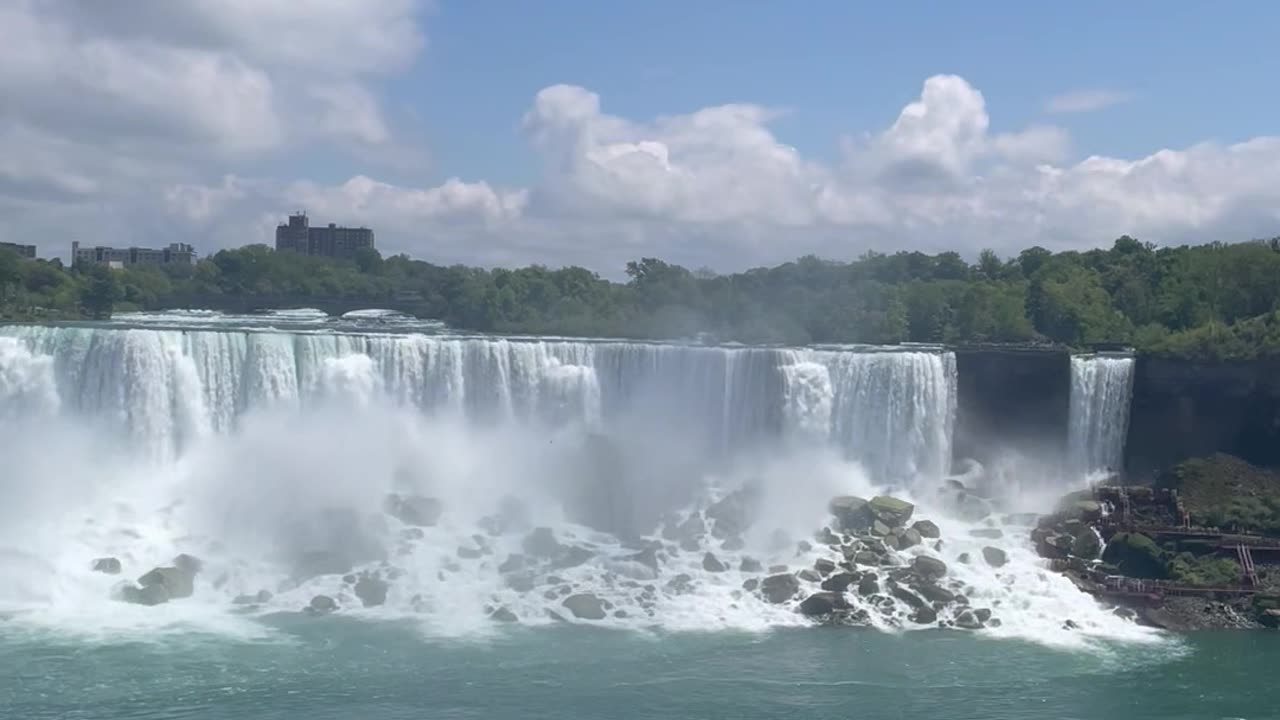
<point>720,134</point>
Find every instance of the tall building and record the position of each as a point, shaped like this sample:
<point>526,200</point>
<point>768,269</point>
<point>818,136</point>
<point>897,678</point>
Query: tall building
<point>333,241</point>
<point>175,254</point>
<point>26,251</point>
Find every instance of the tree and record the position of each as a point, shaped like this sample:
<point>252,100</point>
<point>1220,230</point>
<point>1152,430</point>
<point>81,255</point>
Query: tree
<point>99,293</point>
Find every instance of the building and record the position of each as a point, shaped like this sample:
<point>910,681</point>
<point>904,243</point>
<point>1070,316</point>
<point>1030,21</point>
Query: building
<point>175,254</point>
<point>26,251</point>
<point>333,241</point>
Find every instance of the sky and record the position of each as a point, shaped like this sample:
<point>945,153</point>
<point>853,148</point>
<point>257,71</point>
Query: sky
<point>716,134</point>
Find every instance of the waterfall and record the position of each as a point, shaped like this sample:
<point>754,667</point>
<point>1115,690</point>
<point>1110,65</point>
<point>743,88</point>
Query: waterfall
<point>1101,387</point>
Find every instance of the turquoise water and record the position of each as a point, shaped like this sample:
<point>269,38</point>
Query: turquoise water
<point>319,668</point>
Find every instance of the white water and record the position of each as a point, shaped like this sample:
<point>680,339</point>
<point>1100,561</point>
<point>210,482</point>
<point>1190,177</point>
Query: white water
<point>1101,388</point>
<point>253,449</point>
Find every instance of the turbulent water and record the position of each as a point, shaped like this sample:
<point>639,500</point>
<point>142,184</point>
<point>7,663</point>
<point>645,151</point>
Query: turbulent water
<point>1101,387</point>
<point>267,447</point>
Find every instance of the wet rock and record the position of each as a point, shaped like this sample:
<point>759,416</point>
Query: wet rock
<point>982,614</point>
<point>520,582</point>
<point>909,538</point>
<point>469,553</point>
<point>824,566</point>
<point>852,513</point>
<point>681,584</point>
<point>349,579</point>
<point>712,564</point>
<point>1086,544</point>
<point>189,564</point>
<point>779,588</point>
<point>732,544</point>
<point>415,510</point>
<point>692,529</point>
<point>891,511</point>
<point>988,533</point>
<point>866,557</point>
<point>968,620</point>
<point>750,565</point>
<point>804,546</point>
<point>839,582</point>
<point>927,529</point>
<point>924,616</point>
<point>146,595</point>
<point>730,516</point>
<point>371,589</point>
<point>502,614</point>
<point>620,614</point>
<point>178,583</point>
<point>572,557</point>
<point>826,536</point>
<point>262,596</point>
<point>907,596</point>
<point>994,556</point>
<point>822,603</point>
<point>1070,625</point>
<point>935,593</point>
<point>513,563</point>
<point>928,567</point>
<point>868,585</point>
<point>809,575</point>
<point>107,565</point>
<point>647,557</point>
<point>880,529</point>
<point>322,604</point>
<point>1125,613</point>
<point>542,543</point>
<point>585,606</point>
<point>775,569</point>
<point>750,584</point>
<point>892,541</point>
<point>963,558</point>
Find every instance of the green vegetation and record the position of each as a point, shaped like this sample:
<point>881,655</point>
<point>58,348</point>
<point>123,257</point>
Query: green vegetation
<point>1215,301</point>
<point>1226,492</point>
<point>1137,555</point>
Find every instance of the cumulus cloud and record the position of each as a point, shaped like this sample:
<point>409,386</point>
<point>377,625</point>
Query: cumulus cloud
<point>1081,101</point>
<point>151,120</point>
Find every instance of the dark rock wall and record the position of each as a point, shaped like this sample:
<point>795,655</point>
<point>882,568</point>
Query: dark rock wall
<point>1015,400</point>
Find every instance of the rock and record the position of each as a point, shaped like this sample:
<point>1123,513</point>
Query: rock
<point>414,510</point>
<point>866,557</point>
<point>928,567</point>
<point>514,562</point>
<point>852,513</point>
<point>732,544</point>
<point>988,533</point>
<point>927,529</point>
<point>572,557</point>
<point>1125,613</point>
<point>892,542</point>
<point>906,595</point>
<point>775,569</point>
<point>1086,544</point>
<point>909,538</point>
<point>822,603</point>
<point>1136,555</point>
<point>469,553</point>
<point>779,588</point>
<point>107,565</point>
<point>868,585</point>
<point>891,511</point>
<point>839,582</point>
<point>750,584</point>
<point>963,558</point>
<point>1070,625</point>
<point>520,582</point>
<point>730,516</point>
<point>750,565</point>
<point>924,616</point>
<point>803,546</point>
<point>371,589</point>
<point>585,606</point>
<point>176,582</point>
<point>681,584</point>
<point>647,557</point>
<point>994,556</point>
<point>935,593</point>
<point>620,614</point>
<point>824,566</point>
<point>880,529</point>
<point>826,536</point>
<point>711,563</point>
<point>189,564</point>
<point>262,596</point>
<point>146,595</point>
<point>968,620</point>
<point>349,579</point>
<point>542,543</point>
<point>809,575</point>
<point>971,507</point>
<point>691,530</point>
<point>1087,510</point>
<point>502,614</point>
<point>322,604</point>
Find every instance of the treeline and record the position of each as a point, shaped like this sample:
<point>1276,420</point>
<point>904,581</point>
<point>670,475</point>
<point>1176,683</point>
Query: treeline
<point>1216,301</point>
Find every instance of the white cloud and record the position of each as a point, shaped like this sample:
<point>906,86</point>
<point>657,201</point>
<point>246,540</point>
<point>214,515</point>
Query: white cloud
<point>1081,101</point>
<point>147,120</point>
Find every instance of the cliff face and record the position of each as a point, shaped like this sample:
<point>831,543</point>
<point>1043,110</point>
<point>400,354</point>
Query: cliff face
<point>1012,400</point>
<point>1183,409</point>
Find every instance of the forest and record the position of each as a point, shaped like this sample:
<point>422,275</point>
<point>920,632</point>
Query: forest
<point>1212,301</point>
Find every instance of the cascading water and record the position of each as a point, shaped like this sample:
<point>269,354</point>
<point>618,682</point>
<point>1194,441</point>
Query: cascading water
<point>270,455</point>
<point>1101,388</point>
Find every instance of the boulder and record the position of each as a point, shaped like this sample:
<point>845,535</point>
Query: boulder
<point>822,603</point>
<point>907,596</point>
<point>909,538</point>
<point>994,556</point>
<point>927,529</point>
<point>750,565</point>
<point>1136,555</point>
<point>711,563</point>
<point>963,558</point>
<point>826,536</point>
<point>502,614</point>
<point>750,584</point>
<point>987,533</point>
<point>371,589</point>
<point>585,606</point>
<point>839,582</point>
<point>809,575</point>
<point>681,584</point>
<point>647,557</point>
<point>982,614</point>
<point>892,541</point>
<point>691,531</point>
<point>542,543</point>
<point>779,588</point>
<point>824,566</point>
<point>968,620</point>
<point>924,616</point>
<point>730,516</point>
<point>513,563</point>
<point>176,582</point>
<point>1054,547</point>
<point>520,582</point>
<point>866,557</point>
<point>928,567</point>
<point>880,529</point>
<point>322,604</point>
<point>1087,544</point>
<point>852,513</point>
<point>868,584</point>
<point>935,593</point>
<point>733,544</point>
<point>414,510</point>
<point>107,565</point>
<point>262,596</point>
<point>145,595</point>
<point>803,546</point>
<point>571,557</point>
<point>189,564</point>
<point>891,511</point>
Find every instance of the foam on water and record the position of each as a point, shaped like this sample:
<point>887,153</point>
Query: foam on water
<point>257,450</point>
